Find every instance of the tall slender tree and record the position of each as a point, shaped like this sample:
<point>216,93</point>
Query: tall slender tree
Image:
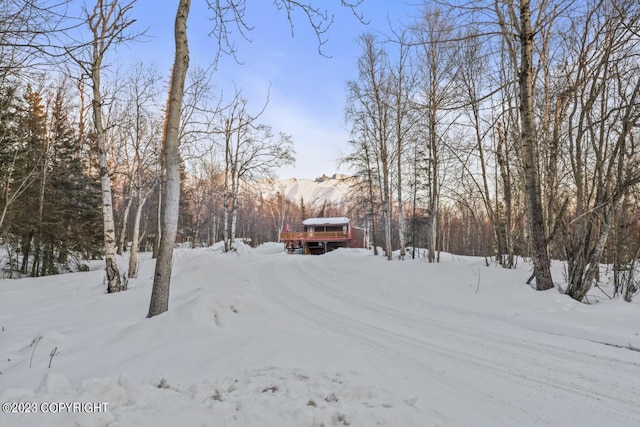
<point>171,152</point>
<point>530,154</point>
<point>434,33</point>
<point>108,22</point>
<point>370,110</point>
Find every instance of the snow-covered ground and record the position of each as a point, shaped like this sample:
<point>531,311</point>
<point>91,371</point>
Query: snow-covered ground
<point>261,338</point>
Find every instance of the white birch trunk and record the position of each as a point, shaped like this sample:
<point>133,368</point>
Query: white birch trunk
<point>133,253</point>
<point>162,278</point>
<point>234,217</point>
<point>123,228</point>
<point>114,282</point>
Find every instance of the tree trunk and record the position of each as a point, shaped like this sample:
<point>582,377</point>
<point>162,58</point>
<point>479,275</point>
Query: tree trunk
<point>386,211</point>
<point>114,283</point>
<point>133,253</point>
<point>26,250</point>
<point>43,185</point>
<point>162,278</point>
<point>432,223</point>
<point>386,214</point>
<point>35,267</point>
<point>538,236</point>
<point>234,217</point>
<point>156,243</point>
<point>503,222</point>
<point>225,220</point>
<point>583,269</point>
<point>372,207</point>
<point>123,226</point>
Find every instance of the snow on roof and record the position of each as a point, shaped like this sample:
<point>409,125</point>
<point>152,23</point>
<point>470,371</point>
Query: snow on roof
<point>326,221</point>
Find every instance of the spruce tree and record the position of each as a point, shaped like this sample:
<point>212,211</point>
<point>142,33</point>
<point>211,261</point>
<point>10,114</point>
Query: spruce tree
<point>76,194</point>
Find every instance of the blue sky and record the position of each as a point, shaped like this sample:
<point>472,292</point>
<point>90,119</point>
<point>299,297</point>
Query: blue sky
<point>307,94</point>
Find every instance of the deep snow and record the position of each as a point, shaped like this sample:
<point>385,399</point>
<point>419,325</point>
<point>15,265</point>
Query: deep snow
<point>262,338</point>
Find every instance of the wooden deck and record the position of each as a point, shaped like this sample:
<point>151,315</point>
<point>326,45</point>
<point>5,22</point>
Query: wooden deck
<point>313,236</point>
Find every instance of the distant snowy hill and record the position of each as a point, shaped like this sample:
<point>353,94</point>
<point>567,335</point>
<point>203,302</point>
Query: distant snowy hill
<point>332,189</point>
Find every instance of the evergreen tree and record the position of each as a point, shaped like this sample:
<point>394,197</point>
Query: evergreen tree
<point>303,209</point>
<point>17,173</point>
<point>14,179</point>
<point>74,196</point>
<point>323,210</point>
<point>35,128</point>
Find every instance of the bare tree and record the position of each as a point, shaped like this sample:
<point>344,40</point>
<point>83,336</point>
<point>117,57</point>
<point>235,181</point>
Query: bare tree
<point>436,60</point>
<point>360,160</point>
<point>370,112</point>
<point>171,194</point>
<point>27,31</point>
<point>143,138</point>
<point>226,13</point>
<point>109,23</point>
<point>406,118</point>
<point>518,35</point>
<point>603,119</point>
<point>251,152</point>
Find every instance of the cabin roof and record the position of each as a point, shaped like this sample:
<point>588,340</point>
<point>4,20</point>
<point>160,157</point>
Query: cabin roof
<point>326,221</point>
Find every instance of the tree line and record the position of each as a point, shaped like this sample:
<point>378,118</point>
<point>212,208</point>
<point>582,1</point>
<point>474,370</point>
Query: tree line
<point>499,129</point>
<point>94,158</point>
<point>519,119</point>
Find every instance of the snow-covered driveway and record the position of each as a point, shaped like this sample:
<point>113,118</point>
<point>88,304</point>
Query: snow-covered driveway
<point>459,365</point>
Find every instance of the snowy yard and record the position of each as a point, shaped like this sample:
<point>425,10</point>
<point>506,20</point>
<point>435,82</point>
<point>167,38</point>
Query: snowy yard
<point>261,338</point>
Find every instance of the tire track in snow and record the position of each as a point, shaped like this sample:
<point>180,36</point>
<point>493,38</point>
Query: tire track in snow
<point>462,369</point>
<point>561,354</point>
<point>381,343</point>
<point>565,364</point>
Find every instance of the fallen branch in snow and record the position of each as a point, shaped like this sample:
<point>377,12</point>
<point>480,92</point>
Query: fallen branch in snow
<point>530,279</point>
<point>34,343</point>
<point>53,353</point>
<point>629,347</point>
<point>602,290</point>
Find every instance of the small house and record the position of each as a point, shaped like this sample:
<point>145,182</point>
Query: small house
<point>322,235</point>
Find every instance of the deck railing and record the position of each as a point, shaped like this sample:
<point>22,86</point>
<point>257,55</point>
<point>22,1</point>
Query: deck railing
<point>313,235</point>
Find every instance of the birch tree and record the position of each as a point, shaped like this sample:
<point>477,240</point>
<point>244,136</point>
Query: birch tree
<point>405,120</point>
<point>144,145</point>
<point>603,119</point>
<point>520,26</point>
<point>251,152</point>
<point>109,23</point>
<point>171,153</point>
<point>436,61</point>
<point>370,103</point>
<point>363,165</point>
